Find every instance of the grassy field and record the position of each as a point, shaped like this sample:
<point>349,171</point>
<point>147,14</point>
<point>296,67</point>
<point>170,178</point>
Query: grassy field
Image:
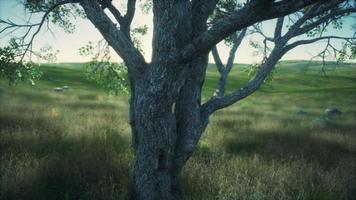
<point>274,144</point>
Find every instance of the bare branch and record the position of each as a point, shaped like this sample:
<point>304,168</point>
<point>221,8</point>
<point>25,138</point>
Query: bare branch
<point>237,42</point>
<point>257,29</point>
<point>313,11</point>
<point>225,70</point>
<point>302,42</point>
<point>28,46</point>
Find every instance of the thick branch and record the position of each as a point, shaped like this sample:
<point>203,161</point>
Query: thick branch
<point>124,21</point>
<point>216,103</point>
<point>251,13</point>
<point>237,42</point>
<point>220,66</point>
<point>131,8</point>
<point>116,13</point>
<point>201,10</point>
<point>225,70</point>
<point>278,29</point>
<point>116,38</point>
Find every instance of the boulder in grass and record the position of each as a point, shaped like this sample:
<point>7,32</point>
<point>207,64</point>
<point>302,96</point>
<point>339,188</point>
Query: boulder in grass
<point>58,89</point>
<point>66,87</point>
<point>331,112</point>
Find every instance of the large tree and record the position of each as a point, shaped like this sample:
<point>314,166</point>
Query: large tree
<point>167,116</point>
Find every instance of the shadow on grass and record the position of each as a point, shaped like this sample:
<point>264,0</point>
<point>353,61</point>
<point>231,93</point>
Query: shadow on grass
<point>289,146</point>
<point>38,161</point>
<point>16,122</point>
<point>30,96</point>
<point>92,106</point>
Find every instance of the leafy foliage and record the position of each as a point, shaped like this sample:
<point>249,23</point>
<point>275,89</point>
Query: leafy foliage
<point>136,33</point>
<point>254,68</point>
<point>347,52</point>
<point>111,76</point>
<point>61,16</point>
<point>146,6</point>
<point>15,71</point>
<point>48,53</point>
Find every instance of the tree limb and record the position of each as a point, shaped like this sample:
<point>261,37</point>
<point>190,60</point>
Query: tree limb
<point>116,13</point>
<point>279,26</point>
<point>251,13</point>
<point>217,59</point>
<point>301,30</point>
<point>281,47</point>
<point>302,42</point>
<point>116,38</point>
<point>131,8</point>
<point>312,12</point>
<point>237,42</point>
<point>225,70</point>
<point>216,103</point>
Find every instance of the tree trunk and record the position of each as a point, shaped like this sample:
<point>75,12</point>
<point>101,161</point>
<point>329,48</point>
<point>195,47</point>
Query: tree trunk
<point>166,127</point>
<point>165,106</point>
<point>154,135</point>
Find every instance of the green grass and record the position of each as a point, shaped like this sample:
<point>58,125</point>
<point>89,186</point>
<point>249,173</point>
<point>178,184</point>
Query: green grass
<point>76,144</point>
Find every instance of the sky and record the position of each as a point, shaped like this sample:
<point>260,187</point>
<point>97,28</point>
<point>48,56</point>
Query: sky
<point>69,44</point>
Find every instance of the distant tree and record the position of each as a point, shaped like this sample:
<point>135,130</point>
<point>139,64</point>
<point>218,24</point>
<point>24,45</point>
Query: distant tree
<point>167,116</point>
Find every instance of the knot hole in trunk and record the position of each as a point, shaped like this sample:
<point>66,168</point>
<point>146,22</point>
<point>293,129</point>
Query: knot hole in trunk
<point>162,163</point>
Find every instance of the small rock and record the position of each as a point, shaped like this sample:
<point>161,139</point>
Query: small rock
<point>332,112</point>
<point>66,87</point>
<point>58,89</point>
